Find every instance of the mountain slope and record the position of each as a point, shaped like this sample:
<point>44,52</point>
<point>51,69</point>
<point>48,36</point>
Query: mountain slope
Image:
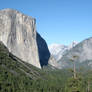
<point>58,50</point>
<point>84,52</point>
<point>18,76</point>
<point>15,75</point>
<point>14,65</point>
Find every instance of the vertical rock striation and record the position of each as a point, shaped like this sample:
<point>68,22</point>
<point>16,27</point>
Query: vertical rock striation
<point>18,33</point>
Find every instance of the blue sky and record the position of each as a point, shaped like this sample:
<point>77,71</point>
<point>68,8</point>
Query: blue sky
<point>58,21</point>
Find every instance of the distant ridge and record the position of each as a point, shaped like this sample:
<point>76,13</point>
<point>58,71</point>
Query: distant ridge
<point>84,52</point>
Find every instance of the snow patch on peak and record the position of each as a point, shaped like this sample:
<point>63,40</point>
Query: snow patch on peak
<point>73,44</point>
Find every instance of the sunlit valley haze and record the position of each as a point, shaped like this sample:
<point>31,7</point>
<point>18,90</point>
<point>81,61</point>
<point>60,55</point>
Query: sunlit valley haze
<point>45,45</point>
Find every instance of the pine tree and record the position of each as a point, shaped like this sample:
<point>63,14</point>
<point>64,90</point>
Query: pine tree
<point>73,59</point>
<point>74,84</point>
<point>89,81</point>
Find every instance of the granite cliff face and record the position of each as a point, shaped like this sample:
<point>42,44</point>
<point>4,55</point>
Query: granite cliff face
<point>43,50</point>
<point>18,33</point>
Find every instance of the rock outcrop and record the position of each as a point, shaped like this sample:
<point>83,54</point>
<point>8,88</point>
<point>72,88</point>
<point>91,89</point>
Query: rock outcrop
<point>18,33</point>
<point>57,51</point>
<point>83,51</point>
<point>43,50</point>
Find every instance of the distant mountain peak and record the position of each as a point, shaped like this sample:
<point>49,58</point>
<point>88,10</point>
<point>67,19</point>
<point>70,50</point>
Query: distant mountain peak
<point>73,44</point>
<point>84,52</point>
<point>58,50</point>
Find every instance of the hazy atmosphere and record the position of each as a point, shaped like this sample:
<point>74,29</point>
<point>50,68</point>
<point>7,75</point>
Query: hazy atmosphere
<point>45,45</point>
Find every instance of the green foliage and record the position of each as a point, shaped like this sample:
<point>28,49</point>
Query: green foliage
<point>18,76</point>
<point>74,85</point>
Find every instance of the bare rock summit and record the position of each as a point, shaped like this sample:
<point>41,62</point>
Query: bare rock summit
<point>18,33</point>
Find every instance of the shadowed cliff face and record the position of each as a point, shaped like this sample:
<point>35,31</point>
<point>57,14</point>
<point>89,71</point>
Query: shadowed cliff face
<point>43,51</point>
<point>18,33</point>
